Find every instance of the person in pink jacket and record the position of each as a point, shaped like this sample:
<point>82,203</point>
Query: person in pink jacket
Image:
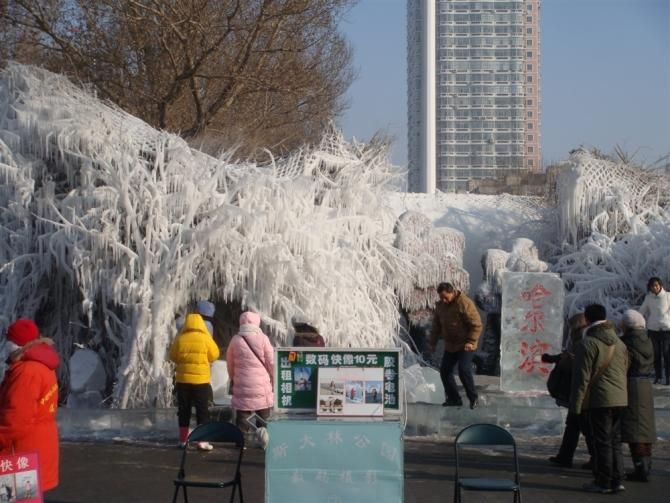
<point>250,365</point>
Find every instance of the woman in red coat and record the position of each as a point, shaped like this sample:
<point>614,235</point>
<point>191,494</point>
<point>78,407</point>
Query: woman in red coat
<point>29,399</point>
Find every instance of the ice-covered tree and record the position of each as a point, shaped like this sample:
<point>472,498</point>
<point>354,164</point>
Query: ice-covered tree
<point>109,228</point>
<point>615,226</point>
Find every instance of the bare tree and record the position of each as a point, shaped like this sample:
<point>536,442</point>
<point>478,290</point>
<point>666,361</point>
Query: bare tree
<point>250,73</point>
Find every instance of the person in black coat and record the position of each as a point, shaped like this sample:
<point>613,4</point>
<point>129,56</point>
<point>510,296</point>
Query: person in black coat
<point>574,424</point>
<point>638,427</point>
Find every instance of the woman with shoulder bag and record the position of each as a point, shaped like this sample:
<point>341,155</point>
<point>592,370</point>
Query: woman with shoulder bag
<point>250,366</point>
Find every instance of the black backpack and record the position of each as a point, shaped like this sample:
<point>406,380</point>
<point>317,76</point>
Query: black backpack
<point>559,381</point>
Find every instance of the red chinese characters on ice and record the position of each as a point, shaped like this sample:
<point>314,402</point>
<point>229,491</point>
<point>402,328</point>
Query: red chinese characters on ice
<point>535,317</point>
<point>531,353</point>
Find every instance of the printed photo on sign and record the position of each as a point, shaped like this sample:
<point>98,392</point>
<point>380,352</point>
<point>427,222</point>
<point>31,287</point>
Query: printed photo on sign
<point>26,485</point>
<point>7,488</point>
<point>329,404</point>
<point>351,391</point>
<point>332,388</point>
<point>373,392</point>
<point>302,378</point>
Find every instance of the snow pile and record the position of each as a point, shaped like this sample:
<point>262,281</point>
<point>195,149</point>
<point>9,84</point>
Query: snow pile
<point>615,226</point>
<point>109,228</point>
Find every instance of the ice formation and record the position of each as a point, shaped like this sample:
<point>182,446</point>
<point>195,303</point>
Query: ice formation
<point>524,257</point>
<point>438,254</point>
<point>615,227</point>
<point>109,228</point>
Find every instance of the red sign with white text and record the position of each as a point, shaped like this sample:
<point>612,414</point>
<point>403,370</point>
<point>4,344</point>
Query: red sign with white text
<point>19,478</point>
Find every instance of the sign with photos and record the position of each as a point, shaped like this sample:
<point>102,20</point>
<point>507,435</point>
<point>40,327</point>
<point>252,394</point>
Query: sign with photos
<point>298,381</point>
<point>351,391</point>
<point>19,478</point>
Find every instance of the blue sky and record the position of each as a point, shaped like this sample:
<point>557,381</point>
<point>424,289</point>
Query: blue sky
<point>605,75</point>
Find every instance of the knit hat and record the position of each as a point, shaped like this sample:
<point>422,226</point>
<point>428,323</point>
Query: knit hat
<point>205,308</point>
<point>22,331</point>
<point>633,319</point>
<point>249,318</point>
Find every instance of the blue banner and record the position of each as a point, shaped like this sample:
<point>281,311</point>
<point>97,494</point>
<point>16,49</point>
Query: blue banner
<point>334,461</point>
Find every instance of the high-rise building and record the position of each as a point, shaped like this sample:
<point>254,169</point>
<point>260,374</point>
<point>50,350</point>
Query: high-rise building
<point>473,91</point>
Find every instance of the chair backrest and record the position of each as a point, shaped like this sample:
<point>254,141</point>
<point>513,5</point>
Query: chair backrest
<point>217,431</point>
<point>484,434</point>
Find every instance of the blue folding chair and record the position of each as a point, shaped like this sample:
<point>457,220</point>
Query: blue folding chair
<point>486,435</point>
<point>217,432</point>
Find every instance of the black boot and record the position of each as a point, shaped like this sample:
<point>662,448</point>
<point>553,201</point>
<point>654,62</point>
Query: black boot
<point>642,469</point>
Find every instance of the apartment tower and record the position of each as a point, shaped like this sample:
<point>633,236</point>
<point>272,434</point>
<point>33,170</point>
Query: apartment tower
<point>473,85</point>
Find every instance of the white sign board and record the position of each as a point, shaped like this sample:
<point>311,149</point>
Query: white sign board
<point>350,391</point>
<point>531,324</point>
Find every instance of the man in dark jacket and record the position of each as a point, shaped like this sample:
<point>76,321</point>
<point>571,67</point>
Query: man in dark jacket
<point>457,321</point>
<point>599,390</point>
<point>574,424</point>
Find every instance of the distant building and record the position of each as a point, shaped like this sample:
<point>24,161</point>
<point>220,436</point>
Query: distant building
<point>473,91</point>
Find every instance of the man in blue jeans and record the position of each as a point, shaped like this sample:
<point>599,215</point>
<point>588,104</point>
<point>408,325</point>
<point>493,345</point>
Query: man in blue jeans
<point>457,321</point>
